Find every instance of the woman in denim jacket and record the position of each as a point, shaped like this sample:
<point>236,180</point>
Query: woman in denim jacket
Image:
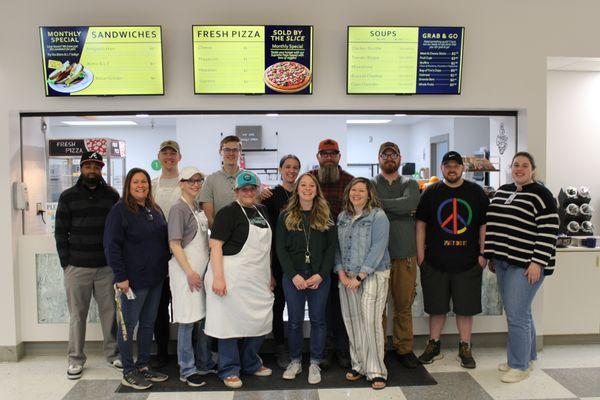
<point>363,264</point>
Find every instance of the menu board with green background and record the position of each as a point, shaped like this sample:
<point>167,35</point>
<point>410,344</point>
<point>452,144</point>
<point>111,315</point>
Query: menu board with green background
<point>252,59</point>
<point>102,61</point>
<point>404,60</point>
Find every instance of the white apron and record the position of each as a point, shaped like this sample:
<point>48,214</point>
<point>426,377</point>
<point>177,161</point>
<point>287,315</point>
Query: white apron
<point>166,196</point>
<point>190,306</point>
<point>247,308</point>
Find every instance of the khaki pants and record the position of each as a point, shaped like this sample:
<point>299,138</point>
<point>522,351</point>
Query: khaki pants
<point>80,284</point>
<point>403,277</point>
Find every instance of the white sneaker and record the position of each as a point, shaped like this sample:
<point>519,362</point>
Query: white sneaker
<point>314,374</point>
<point>293,369</point>
<point>74,371</point>
<point>504,367</point>
<point>514,375</point>
<point>116,364</point>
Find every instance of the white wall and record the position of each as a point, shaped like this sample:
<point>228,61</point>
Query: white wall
<point>506,46</point>
<point>364,141</point>
<point>420,135</point>
<point>573,133</point>
<point>470,134</point>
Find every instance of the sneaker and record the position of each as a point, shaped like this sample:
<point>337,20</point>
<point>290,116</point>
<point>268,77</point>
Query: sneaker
<point>135,379</point>
<point>281,356</point>
<point>465,356</point>
<point>408,360</point>
<point>194,380</point>
<point>153,376</point>
<point>293,369</point>
<point>209,371</point>
<point>514,375</point>
<point>74,371</point>
<point>504,367</point>
<point>233,382</point>
<point>314,374</point>
<point>116,364</point>
<point>432,352</point>
<point>263,371</point>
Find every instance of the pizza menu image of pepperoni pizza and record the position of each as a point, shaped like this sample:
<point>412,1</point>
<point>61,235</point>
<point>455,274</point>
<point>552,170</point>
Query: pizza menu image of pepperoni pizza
<point>287,77</point>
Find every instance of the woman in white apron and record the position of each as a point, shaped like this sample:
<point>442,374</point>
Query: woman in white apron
<point>239,298</point>
<point>188,240</point>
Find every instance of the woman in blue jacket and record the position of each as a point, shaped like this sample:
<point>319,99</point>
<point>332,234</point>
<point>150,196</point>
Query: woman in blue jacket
<point>137,250</point>
<point>363,265</point>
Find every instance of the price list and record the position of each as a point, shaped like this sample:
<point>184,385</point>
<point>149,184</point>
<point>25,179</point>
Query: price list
<point>439,60</point>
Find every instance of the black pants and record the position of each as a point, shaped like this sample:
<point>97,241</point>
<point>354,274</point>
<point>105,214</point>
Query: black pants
<point>162,323</point>
<point>278,306</point>
<point>337,337</point>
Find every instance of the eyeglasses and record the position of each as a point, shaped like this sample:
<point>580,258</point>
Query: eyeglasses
<point>148,214</point>
<point>389,156</point>
<point>229,150</point>
<point>328,153</point>
<point>191,182</point>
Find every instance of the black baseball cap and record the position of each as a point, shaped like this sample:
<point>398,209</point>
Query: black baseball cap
<point>91,156</point>
<point>452,156</point>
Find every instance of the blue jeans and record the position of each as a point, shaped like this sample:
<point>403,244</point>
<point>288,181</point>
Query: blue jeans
<point>230,350</point>
<point>192,360</point>
<point>517,295</point>
<point>140,310</point>
<point>317,306</point>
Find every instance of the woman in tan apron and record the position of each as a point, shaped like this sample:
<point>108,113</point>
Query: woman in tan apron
<point>239,301</point>
<point>188,240</point>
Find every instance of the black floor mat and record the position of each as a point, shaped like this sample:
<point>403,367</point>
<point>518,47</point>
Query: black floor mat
<point>331,379</point>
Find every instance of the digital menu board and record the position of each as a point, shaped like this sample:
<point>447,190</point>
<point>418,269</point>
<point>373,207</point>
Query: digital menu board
<point>102,60</point>
<point>252,59</point>
<point>404,60</point>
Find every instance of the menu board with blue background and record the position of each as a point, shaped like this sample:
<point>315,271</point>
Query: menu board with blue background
<point>404,60</point>
<point>102,61</point>
<point>252,59</point>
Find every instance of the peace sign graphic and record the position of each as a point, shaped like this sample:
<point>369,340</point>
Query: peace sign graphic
<point>450,219</point>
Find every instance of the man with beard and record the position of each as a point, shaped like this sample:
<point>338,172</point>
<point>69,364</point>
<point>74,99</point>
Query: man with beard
<point>450,238</point>
<point>333,180</point>
<point>80,217</point>
<point>399,197</point>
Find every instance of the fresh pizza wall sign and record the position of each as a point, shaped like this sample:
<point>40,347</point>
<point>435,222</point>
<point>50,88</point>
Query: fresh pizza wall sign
<point>263,59</point>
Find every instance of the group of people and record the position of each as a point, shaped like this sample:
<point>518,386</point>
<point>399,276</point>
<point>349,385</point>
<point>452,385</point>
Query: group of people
<point>229,255</point>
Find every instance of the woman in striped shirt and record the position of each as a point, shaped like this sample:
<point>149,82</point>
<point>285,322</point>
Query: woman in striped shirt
<point>520,242</point>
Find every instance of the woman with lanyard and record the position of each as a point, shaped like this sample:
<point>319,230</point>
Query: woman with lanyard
<point>136,248</point>
<point>239,301</point>
<point>289,167</point>
<point>188,239</point>
<point>363,266</point>
<point>306,248</point>
<point>520,242</point>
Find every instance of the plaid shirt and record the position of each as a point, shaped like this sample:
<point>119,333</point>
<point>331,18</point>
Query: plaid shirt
<point>334,192</point>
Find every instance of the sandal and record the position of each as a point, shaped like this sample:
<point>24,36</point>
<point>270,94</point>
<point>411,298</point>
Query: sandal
<point>353,375</point>
<point>378,383</point>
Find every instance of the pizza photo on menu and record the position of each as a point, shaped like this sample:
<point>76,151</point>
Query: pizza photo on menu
<point>287,77</point>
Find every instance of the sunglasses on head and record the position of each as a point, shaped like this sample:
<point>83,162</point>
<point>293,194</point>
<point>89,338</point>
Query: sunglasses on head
<point>148,214</point>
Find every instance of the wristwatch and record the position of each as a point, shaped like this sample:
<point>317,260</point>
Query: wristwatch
<point>358,278</point>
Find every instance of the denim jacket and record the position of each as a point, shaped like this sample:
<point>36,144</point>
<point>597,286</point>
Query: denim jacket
<point>363,244</point>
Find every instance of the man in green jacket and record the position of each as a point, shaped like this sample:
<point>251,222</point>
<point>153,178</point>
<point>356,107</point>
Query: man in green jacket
<point>399,197</point>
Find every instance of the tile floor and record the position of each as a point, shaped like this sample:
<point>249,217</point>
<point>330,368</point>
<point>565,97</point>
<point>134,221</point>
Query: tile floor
<point>563,372</point>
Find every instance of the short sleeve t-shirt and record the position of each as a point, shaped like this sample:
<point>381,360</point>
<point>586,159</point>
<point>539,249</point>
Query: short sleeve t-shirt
<point>453,217</point>
<point>231,226</point>
<point>182,223</point>
<point>218,189</point>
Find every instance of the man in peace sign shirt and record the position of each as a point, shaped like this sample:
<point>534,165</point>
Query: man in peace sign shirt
<point>450,237</point>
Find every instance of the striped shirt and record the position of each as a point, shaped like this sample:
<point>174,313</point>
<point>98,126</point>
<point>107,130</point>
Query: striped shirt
<point>522,226</point>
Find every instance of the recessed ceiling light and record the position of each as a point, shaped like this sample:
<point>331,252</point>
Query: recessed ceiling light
<point>272,115</point>
<point>99,123</point>
<point>399,115</point>
<point>142,115</point>
<point>367,121</point>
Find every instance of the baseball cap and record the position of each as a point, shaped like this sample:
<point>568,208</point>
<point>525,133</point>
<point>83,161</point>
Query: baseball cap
<point>188,172</point>
<point>389,145</point>
<point>91,156</point>
<point>452,156</point>
<point>169,143</point>
<point>245,178</point>
<point>329,145</point>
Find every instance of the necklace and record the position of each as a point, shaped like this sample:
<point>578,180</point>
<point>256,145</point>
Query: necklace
<point>307,239</point>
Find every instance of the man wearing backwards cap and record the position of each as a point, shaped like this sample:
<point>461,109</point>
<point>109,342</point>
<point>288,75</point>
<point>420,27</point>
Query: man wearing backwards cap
<point>80,217</point>
<point>333,180</point>
<point>399,196</point>
<point>166,193</point>
<point>450,238</point>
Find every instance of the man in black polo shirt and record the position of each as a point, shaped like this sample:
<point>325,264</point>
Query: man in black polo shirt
<point>80,217</point>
